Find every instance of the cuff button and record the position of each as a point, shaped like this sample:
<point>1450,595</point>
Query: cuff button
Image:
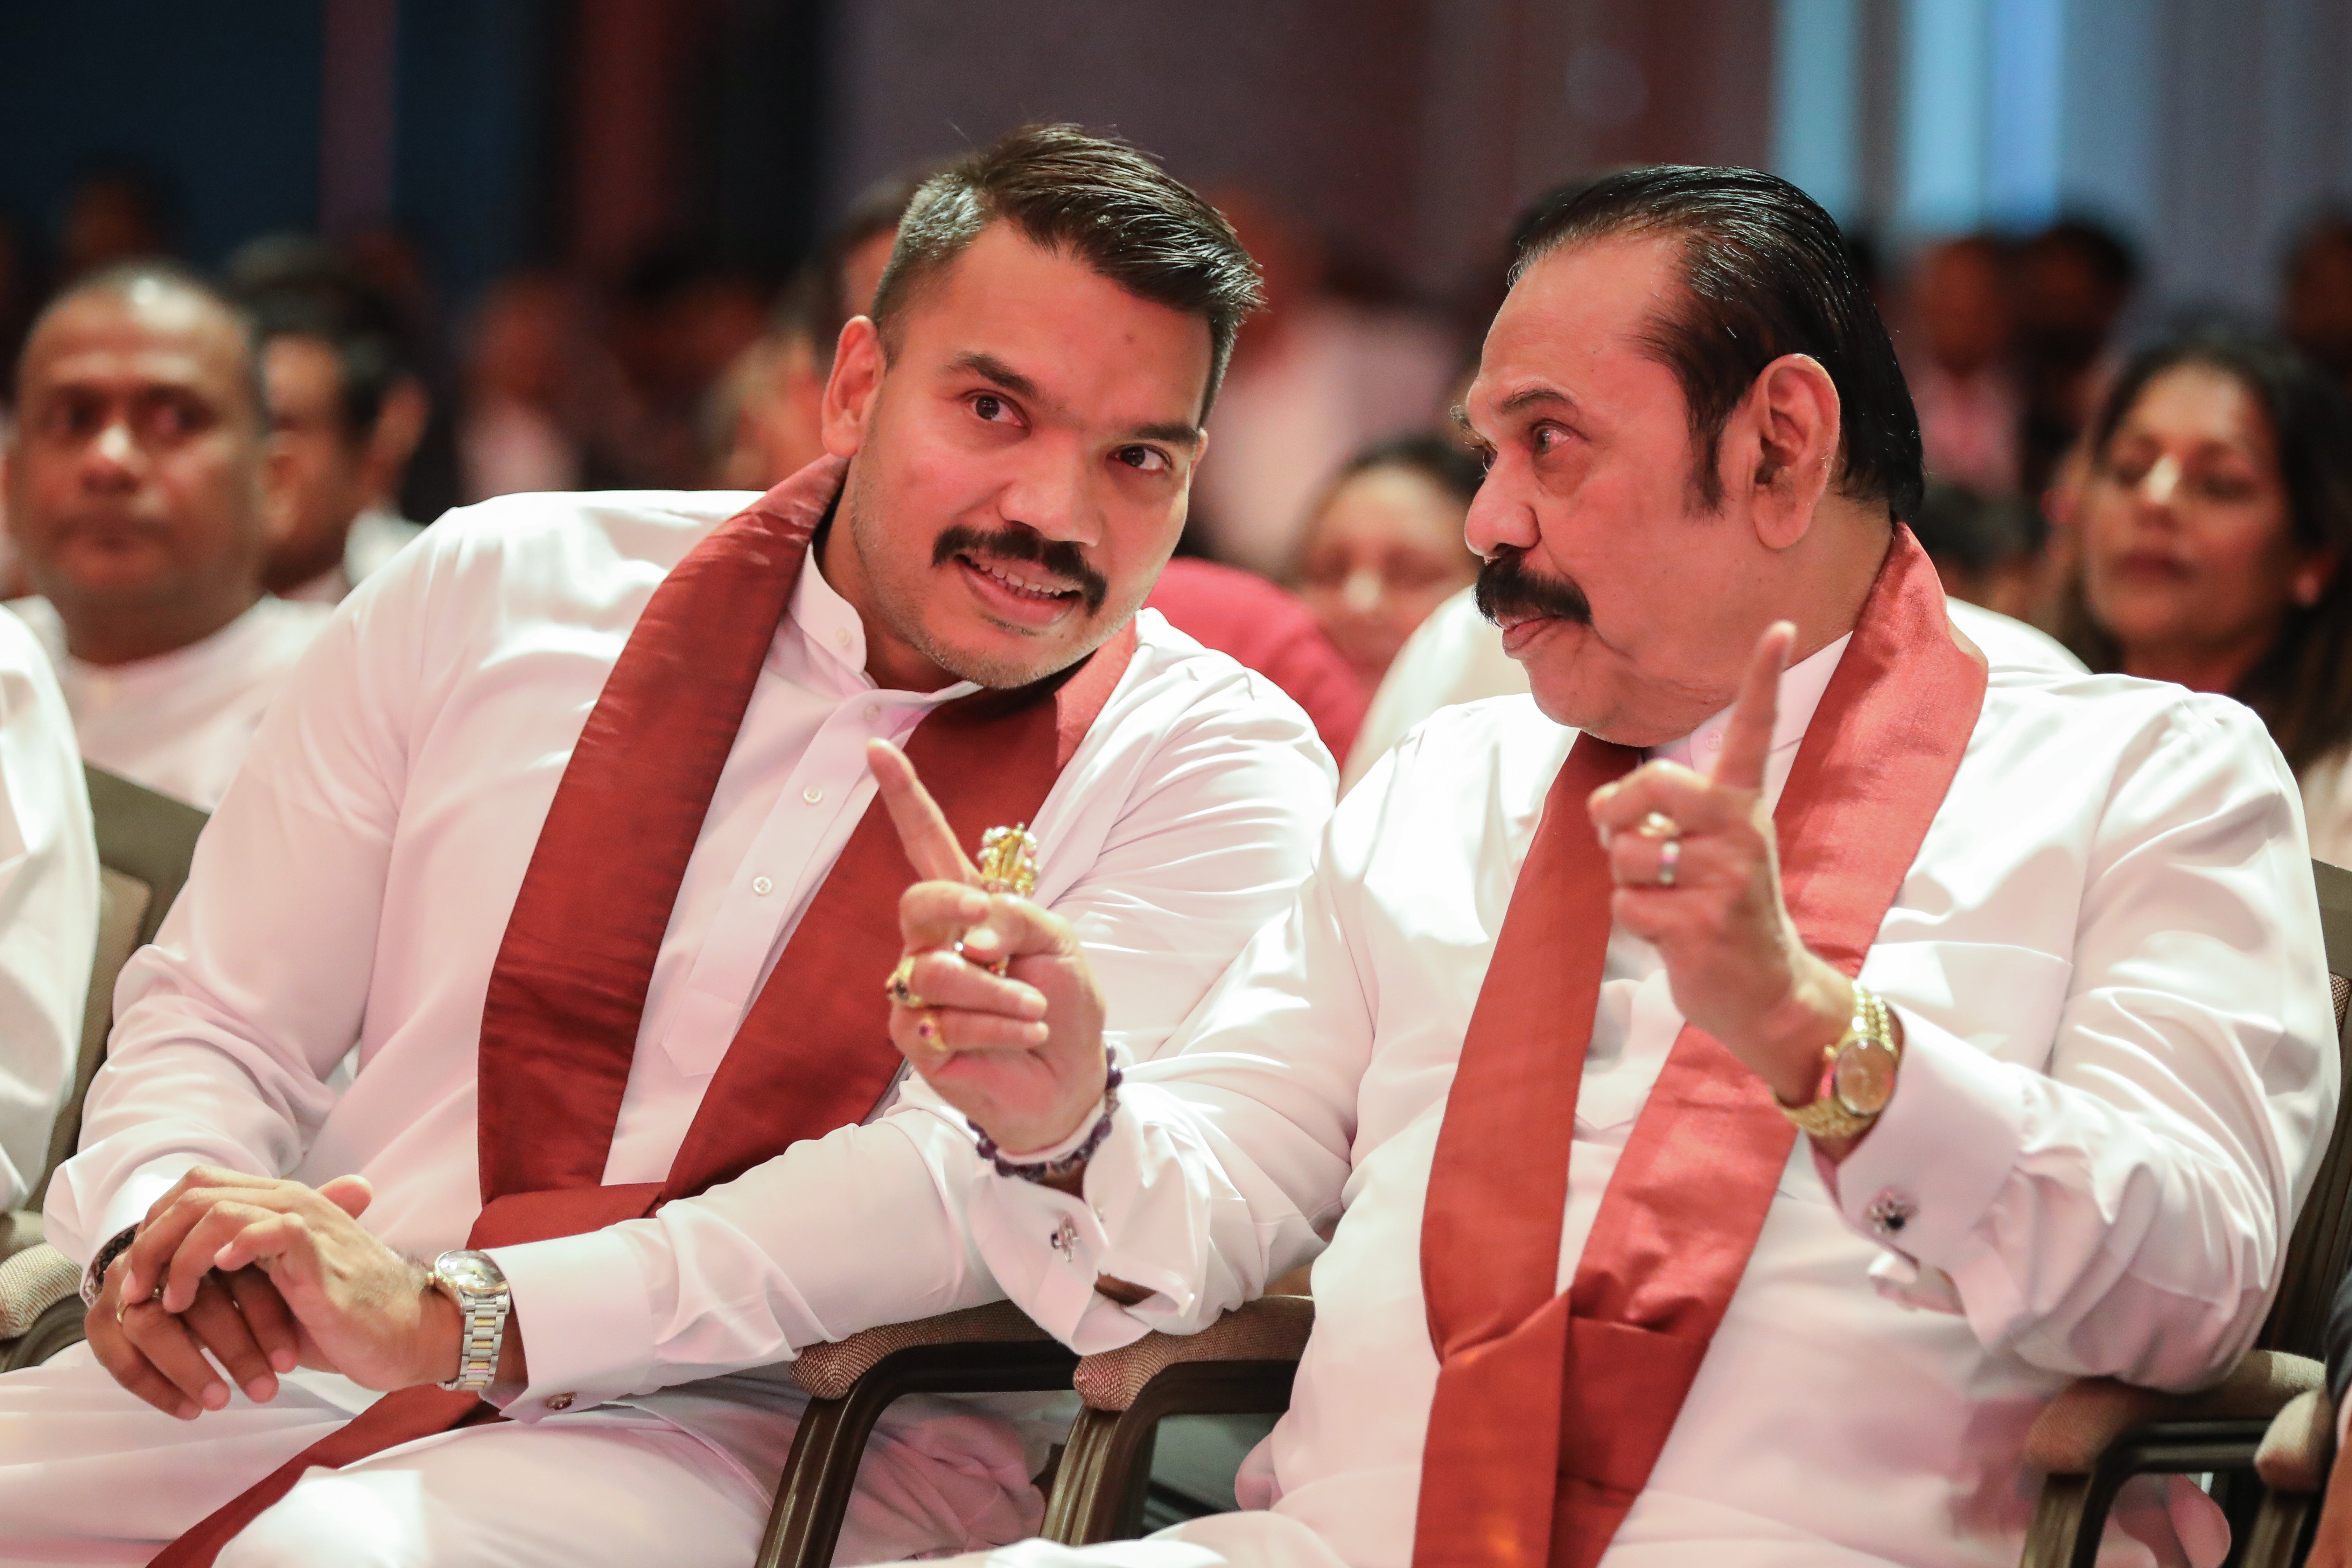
<point>1890,1211</point>
<point>560,1401</point>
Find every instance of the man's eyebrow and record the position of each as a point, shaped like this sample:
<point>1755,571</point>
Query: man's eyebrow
<point>1174,430</point>
<point>1532,396</point>
<point>990,368</point>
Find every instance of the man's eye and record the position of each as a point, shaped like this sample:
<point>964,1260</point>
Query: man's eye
<point>1144,459</point>
<point>989,406</point>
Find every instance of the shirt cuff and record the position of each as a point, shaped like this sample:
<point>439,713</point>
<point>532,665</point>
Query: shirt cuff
<point>136,1195</point>
<point>1923,1179</point>
<point>586,1318</point>
<point>1046,1249</point>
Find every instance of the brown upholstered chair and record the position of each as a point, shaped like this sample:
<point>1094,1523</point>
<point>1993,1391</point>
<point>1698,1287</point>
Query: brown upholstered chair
<point>993,1349</point>
<point>1241,1364</point>
<point>2099,1434</point>
<point>145,841</point>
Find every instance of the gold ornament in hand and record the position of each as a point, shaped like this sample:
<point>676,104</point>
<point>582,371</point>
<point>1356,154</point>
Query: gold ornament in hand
<point>1008,861</point>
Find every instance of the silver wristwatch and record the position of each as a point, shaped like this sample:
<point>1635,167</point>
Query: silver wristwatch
<point>473,1281</point>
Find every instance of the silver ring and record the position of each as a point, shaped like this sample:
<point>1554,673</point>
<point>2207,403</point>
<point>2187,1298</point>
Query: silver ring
<point>1670,855</point>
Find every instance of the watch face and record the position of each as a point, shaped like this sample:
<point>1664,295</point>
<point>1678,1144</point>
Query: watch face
<point>470,1272</point>
<point>1864,1078</point>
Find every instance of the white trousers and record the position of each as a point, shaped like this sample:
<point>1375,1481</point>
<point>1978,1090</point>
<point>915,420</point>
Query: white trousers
<point>89,1475</point>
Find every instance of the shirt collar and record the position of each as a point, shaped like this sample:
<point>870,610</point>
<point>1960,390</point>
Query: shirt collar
<point>1802,685</point>
<point>836,637</point>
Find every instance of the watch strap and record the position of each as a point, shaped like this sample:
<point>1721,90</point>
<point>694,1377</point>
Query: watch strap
<point>481,1329</point>
<point>1827,1115</point>
<point>93,1278</point>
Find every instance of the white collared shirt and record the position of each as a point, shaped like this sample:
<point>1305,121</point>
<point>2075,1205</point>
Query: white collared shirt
<point>2119,1073</point>
<point>180,723</point>
<point>49,907</point>
<point>355,883</point>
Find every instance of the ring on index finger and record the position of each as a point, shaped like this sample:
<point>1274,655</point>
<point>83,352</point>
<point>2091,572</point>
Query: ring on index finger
<point>900,986</point>
<point>1670,858</point>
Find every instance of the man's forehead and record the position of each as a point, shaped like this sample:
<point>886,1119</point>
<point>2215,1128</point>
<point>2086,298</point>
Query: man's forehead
<point>160,336</point>
<point>1581,314</point>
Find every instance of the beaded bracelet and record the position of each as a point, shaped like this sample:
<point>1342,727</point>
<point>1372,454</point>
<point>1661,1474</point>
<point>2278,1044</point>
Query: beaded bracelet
<point>1057,1166</point>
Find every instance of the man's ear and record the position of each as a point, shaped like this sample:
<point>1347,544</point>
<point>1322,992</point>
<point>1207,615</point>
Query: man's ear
<point>857,367</point>
<point>1781,447</point>
<point>273,478</point>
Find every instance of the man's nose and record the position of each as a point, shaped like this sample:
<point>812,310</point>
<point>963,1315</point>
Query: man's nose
<point>1499,516</point>
<point>110,460</point>
<point>1052,492</point>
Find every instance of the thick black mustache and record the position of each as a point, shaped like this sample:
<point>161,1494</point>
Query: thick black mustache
<point>1058,556</point>
<point>1507,590</point>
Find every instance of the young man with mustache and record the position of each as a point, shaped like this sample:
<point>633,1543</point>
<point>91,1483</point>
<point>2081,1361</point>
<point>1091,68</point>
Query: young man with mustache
<point>567,825</point>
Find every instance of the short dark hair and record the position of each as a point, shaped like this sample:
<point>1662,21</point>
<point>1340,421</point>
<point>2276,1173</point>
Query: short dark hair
<point>2303,686</point>
<point>120,277</point>
<point>1765,273</point>
<point>301,290</point>
<point>1096,197</point>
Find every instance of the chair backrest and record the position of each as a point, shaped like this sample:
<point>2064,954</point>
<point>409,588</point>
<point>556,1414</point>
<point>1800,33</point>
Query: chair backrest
<point>145,842</point>
<point>2321,1247</point>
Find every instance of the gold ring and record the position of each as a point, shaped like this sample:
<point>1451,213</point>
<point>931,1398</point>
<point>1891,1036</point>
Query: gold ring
<point>1670,857</point>
<point>901,987</point>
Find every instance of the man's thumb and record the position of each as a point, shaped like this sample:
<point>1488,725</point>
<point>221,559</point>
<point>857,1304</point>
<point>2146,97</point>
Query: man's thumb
<point>350,1193</point>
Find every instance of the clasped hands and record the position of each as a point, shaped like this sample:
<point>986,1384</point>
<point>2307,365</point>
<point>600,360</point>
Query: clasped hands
<point>266,1275</point>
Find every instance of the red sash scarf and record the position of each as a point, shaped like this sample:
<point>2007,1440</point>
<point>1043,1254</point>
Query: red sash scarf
<point>559,1023</point>
<point>1551,1409</point>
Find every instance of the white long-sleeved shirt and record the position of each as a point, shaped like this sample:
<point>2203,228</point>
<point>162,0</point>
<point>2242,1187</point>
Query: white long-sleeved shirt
<point>180,723</point>
<point>2120,1068</point>
<point>49,907</point>
<point>355,883</point>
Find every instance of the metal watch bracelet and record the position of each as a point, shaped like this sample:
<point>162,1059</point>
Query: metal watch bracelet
<point>93,1278</point>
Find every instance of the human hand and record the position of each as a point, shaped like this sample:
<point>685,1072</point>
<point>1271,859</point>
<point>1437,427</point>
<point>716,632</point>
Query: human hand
<point>1020,1053</point>
<point>159,1356</point>
<point>359,1308</point>
<point>1737,966</point>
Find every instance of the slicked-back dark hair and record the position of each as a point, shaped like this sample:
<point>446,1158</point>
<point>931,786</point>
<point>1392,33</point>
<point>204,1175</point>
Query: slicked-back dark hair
<point>120,277</point>
<point>1094,197</point>
<point>1764,273</point>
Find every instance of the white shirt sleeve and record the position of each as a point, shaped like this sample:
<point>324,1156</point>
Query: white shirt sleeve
<point>49,908</point>
<point>866,1225</point>
<point>255,988</point>
<point>2119,1201</point>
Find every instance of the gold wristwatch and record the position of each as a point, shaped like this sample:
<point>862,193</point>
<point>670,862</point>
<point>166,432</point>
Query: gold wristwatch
<point>1857,1075</point>
<point>478,1286</point>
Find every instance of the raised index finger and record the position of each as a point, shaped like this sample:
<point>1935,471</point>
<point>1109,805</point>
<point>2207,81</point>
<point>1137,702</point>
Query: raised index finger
<point>923,830</point>
<point>1748,736</point>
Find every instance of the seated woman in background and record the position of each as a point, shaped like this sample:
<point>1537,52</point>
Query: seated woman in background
<point>1383,547</point>
<point>2214,523</point>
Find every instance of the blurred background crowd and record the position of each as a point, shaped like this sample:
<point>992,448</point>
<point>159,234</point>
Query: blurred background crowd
<point>513,245</point>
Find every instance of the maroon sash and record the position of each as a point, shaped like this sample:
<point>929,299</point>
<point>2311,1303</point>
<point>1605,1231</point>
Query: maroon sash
<point>1551,1409</point>
<point>566,995</point>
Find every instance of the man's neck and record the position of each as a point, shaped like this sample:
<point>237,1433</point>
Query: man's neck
<point>893,664</point>
<point>109,635</point>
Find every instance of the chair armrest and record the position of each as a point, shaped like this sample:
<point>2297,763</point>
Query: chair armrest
<point>2083,1421</point>
<point>1272,1329</point>
<point>31,1283</point>
<point>2300,1444</point>
<point>830,1371</point>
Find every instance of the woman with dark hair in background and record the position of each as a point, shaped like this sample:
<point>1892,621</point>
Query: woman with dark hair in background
<point>2215,521</point>
<point>1383,547</point>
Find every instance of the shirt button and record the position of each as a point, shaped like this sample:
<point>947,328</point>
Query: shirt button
<point>842,636</point>
<point>761,886</point>
<point>559,1401</point>
<point>811,794</point>
<point>873,711</point>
